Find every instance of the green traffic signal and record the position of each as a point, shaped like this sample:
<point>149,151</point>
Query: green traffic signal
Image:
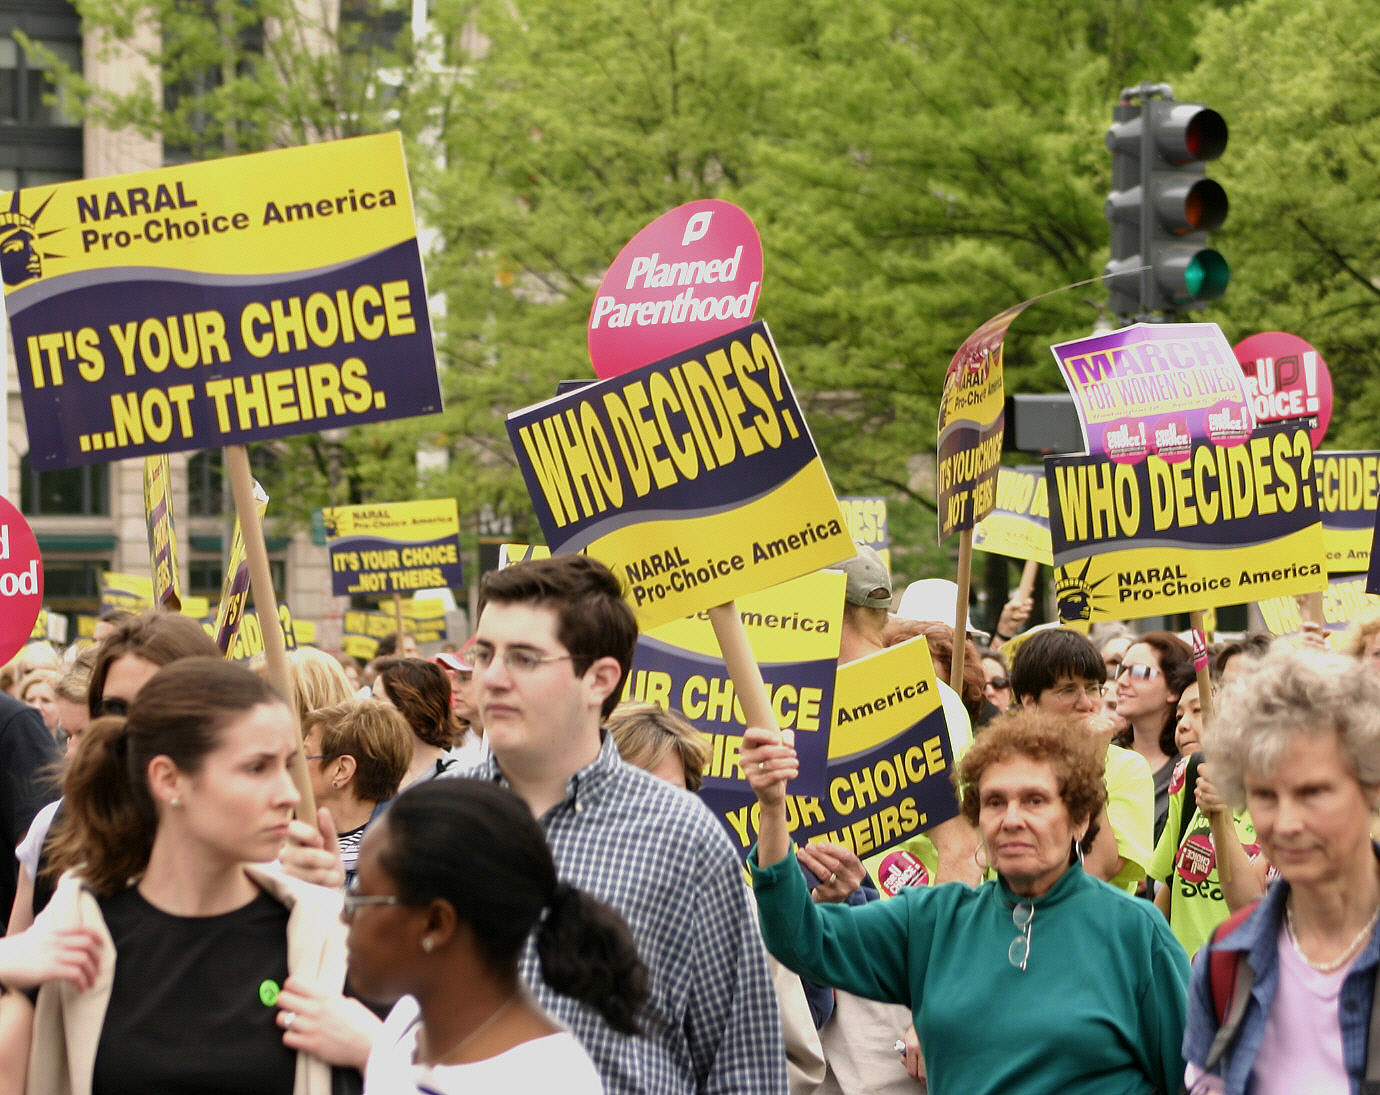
<point>1207,275</point>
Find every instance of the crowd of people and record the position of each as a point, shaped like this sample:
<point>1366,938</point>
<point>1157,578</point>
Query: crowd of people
<point>1159,879</point>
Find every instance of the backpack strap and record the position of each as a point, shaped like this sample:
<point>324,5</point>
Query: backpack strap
<point>1370,1084</point>
<point>1230,978</point>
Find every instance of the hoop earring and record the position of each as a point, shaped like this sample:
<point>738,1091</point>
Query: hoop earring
<point>980,857</point>
<point>1078,850</point>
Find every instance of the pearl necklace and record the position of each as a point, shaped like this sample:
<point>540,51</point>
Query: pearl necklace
<point>1344,957</point>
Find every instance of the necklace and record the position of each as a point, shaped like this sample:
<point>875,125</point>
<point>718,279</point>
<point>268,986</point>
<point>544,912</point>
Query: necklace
<point>476,1032</point>
<point>1340,960</point>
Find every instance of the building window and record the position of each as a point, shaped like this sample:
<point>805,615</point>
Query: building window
<point>67,492</point>
<point>40,141</point>
<point>205,577</point>
<point>373,27</point>
<point>73,585</point>
<point>206,484</point>
<point>26,97</point>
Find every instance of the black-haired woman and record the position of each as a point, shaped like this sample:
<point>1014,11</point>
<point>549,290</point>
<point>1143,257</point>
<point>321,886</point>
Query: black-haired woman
<point>452,880</point>
<point>170,808</point>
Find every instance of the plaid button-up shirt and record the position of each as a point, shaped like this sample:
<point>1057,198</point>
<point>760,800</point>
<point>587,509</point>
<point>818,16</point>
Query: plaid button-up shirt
<point>656,854</point>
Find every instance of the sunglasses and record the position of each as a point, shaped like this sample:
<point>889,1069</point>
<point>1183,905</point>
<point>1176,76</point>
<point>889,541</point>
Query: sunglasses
<point>999,683</point>
<point>1137,672</point>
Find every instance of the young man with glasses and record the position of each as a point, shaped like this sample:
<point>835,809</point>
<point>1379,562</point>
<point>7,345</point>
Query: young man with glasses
<point>553,645</point>
<point>1060,671</point>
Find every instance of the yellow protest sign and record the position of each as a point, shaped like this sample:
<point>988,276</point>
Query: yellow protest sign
<point>394,547</point>
<point>1221,526</point>
<point>158,512</point>
<point>129,592</point>
<point>1348,485</point>
<point>1344,600</point>
<point>890,760</point>
<point>508,554</point>
<point>694,478</point>
<point>216,303</point>
<point>1018,525</point>
<point>794,629</point>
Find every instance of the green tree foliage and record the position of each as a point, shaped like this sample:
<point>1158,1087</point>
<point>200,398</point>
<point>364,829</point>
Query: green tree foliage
<point>223,77</point>
<point>1299,85</point>
<point>914,168</point>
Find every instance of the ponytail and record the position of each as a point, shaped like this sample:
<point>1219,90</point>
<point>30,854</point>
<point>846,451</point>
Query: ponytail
<point>587,952</point>
<point>476,845</point>
<point>108,820</point>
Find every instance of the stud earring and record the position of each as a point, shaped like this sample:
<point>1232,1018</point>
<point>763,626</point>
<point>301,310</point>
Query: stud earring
<point>428,944</point>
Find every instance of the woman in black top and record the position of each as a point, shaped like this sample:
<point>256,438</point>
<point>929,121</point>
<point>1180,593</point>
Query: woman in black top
<point>170,808</point>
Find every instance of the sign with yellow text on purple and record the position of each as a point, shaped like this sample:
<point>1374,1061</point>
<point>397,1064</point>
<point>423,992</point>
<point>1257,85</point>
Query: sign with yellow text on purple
<point>694,478</point>
<point>794,629</point>
<point>218,303</point>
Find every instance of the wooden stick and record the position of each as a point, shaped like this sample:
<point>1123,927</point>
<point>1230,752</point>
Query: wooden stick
<point>266,608</point>
<point>965,581</point>
<point>1028,574</point>
<point>742,666</point>
<point>398,617</point>
<point>1223,831</point>
<point>1312,612</point>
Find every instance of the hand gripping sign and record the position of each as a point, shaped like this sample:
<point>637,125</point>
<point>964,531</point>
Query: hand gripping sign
<point>794,629</point>
<point>890,763</point>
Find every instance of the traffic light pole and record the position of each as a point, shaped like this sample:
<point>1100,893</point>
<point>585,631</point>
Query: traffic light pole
<point>1148,155</point>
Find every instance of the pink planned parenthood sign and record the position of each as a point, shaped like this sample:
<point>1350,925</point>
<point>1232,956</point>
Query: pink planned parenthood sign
<point>691,275</point>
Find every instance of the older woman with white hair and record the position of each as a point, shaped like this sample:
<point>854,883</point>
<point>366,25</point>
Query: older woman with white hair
<point>1281,1000</point>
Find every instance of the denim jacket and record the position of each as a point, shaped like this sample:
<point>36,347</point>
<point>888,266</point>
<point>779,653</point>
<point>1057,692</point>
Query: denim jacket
<point>1257,938</point>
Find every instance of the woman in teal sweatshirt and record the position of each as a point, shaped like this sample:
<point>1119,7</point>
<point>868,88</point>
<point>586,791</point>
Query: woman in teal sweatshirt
<point>1041,980</point>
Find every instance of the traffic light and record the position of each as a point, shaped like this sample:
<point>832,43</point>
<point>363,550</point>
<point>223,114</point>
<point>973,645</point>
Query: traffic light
<point>1163,205</point>
<point>1123,273</point>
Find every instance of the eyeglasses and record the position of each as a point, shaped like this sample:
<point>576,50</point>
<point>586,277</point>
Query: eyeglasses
<point>352,902</point>
<point>315,756</point>
<point>113,706</point>
<point>1071,692</point>
<point>1137,672</point>
<point>516,659</point>
<point>1023,916</point>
